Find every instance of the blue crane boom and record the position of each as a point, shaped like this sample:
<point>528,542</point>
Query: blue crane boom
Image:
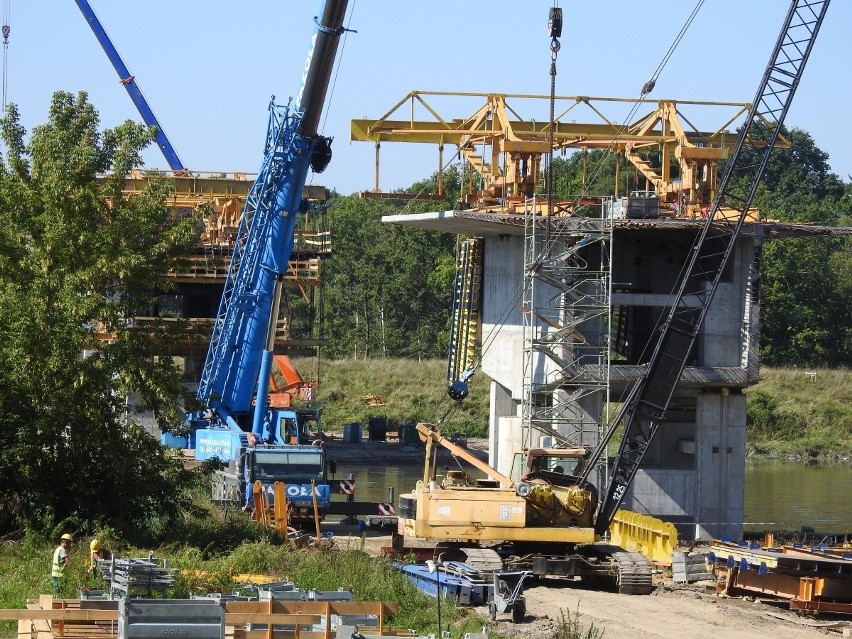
<point>261,445</point>
<point>240,353</point>
<point>129,82</point>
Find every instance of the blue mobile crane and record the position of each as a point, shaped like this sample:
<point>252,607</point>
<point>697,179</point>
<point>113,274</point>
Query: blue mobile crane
<point>237,426</point>
<point>262,444</point>
<point>129,82</point>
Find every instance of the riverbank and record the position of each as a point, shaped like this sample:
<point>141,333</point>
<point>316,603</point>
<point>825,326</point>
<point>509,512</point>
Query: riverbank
<point>393,451</point>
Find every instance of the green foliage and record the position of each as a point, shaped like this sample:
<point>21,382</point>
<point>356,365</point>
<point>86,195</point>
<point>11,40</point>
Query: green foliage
<point>76,259</point>
<point>25,573</point>
<point>764,420</point>
<point>570,627</point>
<point>412,390</point>
<point>799,413</point>
<point>807,282</point>
<point>385,291</point>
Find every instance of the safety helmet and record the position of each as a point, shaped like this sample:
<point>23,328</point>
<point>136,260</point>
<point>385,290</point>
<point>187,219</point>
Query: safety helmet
<point>95,546</point>
<point>67,537</point>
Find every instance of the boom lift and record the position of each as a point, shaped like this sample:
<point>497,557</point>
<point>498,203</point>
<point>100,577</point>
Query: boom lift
<point>549,521</point>
<point>238,426</point>
<point>129,82</point>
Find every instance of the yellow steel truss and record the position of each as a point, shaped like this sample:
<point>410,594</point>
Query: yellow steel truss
<point>505,148</point>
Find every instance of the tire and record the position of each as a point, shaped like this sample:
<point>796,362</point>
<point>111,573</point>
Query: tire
<point>519,611</point>
<point>492,611</point>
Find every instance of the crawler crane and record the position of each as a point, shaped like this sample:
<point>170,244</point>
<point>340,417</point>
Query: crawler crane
<point>551,522</point>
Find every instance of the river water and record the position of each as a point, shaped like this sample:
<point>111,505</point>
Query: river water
<point>778,495</point>
<point>787,496</point>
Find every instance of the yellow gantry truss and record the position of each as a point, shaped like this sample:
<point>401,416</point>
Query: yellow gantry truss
<point>503,143</point>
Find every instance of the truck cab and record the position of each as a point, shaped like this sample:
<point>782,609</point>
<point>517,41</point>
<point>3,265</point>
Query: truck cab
<point>278,457</point>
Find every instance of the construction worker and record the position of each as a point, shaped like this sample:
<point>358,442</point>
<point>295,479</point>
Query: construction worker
<point>60,558</point>
<point>97,552</point>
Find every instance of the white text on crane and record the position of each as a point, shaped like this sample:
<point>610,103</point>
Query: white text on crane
<point>305,72</point>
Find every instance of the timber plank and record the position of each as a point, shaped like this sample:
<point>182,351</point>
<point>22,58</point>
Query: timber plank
<point>238,618</point>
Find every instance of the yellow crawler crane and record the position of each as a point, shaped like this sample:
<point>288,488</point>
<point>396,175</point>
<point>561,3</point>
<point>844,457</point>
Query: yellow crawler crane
<point>543,522</point>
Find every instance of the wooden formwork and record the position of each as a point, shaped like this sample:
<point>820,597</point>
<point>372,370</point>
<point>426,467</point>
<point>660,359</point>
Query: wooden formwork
<point>49,618</point>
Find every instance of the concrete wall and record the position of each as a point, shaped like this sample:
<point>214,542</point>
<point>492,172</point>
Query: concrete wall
<point>707,500</point>
<point>720,455</point>
<point>703,487</point>
<point>720,342</point>
<point>502,322</point>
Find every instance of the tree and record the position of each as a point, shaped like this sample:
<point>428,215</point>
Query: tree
<point>806,282</point>
<point>77,260</point>
<point>386,291</point>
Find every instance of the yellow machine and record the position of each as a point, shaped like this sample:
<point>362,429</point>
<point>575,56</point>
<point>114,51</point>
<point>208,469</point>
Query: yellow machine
<point>542,521</point>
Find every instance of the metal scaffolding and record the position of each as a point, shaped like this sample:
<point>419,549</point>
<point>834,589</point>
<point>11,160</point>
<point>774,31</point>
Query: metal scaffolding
<point>566,311</point>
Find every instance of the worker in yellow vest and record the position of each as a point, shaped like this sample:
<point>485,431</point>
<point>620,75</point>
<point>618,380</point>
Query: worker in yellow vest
<point>60,558</point>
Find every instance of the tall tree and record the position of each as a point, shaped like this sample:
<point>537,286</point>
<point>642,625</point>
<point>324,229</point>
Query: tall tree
<point>77,260</point>
<point>805,288</point>
<point>386,287</point>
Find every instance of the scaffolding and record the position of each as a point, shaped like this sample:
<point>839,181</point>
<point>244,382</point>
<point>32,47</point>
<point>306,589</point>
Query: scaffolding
<point>566,324</point>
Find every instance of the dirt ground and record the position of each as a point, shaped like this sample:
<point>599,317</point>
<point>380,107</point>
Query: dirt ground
<point>684,611</point>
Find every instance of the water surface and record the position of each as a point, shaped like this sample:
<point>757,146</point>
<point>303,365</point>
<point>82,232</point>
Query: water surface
<point>778,495</point>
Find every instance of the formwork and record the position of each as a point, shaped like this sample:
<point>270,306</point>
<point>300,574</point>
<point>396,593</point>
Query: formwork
<point>49,618</point>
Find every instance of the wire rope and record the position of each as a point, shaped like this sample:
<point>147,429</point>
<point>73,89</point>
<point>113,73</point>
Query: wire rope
<point>6,30</point>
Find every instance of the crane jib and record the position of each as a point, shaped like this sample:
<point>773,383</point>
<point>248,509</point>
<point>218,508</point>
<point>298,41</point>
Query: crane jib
<point>644,412</point>
<point>264,242</point>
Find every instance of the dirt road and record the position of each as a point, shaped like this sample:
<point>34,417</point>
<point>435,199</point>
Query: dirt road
<point>683,611</point>
<point>671,611</point>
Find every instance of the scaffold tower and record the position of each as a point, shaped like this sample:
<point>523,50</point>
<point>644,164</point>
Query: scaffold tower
<point>566,311</point>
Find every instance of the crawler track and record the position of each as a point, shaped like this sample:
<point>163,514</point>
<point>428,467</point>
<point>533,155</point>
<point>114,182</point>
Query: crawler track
<point>634,573</point>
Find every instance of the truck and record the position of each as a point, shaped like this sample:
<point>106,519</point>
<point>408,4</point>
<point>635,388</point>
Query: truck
<point>255,438</point>
<point>552,519</point>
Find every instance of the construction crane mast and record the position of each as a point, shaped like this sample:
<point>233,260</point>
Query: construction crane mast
<point>646,405</point>
<point>129,82</point>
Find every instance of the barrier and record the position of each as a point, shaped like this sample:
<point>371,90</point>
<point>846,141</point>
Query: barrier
<point>654,538</point>
<point>352,433</point>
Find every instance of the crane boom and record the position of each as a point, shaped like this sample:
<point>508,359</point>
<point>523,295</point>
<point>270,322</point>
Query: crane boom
<point>240,354</point>
<point>644,410</point>
<point>270,442</point>
<point>129,82</point>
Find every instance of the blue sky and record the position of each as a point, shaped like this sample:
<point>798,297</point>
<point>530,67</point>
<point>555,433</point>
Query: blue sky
<point>208,67</point>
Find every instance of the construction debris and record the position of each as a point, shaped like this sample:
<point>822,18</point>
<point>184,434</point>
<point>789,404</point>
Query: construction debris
<point>373,400</point>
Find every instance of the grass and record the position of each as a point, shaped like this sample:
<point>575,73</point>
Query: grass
<point>570,627</point>
<point>791,413</point>
<point>411,391</point>
<point>25,573</point>
<point>801,414</point>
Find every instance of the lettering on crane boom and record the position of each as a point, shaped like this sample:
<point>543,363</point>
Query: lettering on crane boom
<point>305,72</point>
